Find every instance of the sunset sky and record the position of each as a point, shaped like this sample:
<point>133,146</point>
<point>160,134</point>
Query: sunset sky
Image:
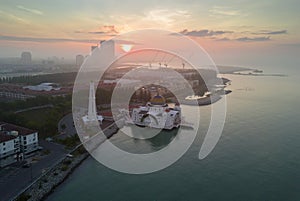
<point>232,31</point>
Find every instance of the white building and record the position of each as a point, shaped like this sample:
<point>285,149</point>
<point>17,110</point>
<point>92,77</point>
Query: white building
<point>157,114</point>
<point>16,143</point>
<point>44,87</point>
<point>29,142</point>
<point>9,149</point>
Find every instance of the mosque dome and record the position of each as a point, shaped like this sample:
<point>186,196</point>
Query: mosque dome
<point>158,100</point>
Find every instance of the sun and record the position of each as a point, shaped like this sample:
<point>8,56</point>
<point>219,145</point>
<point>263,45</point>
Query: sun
<point>126,47</point>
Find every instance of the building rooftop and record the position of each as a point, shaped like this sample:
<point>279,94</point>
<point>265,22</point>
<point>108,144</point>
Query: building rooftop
<point>4,137</point>
<point>15,88</point>
<point>158,100</point>
<point>11,127</point>
<point>43,87</point>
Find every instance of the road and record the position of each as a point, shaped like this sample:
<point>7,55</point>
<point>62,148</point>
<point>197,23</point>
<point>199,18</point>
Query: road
<point>15,178</point>
<point>69,129</point>
<point>34,108</point>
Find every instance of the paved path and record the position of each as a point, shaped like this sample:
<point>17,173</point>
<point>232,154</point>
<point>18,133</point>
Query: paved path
<point>34,108</point>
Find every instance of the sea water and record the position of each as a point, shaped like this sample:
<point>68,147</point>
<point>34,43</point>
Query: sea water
<point>256,158</point>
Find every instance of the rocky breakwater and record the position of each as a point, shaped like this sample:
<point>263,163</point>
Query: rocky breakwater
<point>44,185</point>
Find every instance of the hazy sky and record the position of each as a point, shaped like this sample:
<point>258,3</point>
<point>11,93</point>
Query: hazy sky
<point>232,31</point>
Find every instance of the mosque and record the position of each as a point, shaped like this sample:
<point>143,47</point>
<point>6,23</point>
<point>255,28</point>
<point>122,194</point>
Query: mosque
<point>157,114</point>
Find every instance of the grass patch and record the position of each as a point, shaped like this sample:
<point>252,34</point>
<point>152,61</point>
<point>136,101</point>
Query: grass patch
<point>79,151</point>
<point>70,142</point>
<point>38,116</point>
<point>43,120</point>
<point>64,168</point>
<point>23,197</point>
<point>67,162</point>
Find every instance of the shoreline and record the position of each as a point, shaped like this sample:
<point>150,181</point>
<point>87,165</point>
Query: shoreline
<point>65,179</point>
<point>46,184</point>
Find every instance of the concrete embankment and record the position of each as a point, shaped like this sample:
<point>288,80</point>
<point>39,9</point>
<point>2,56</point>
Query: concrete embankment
<point>58,173</point>
<point>43,186</point>
<point>46,185</point>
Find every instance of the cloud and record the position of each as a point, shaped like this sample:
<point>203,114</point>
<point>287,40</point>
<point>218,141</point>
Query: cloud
<point>245,39</point>
<point>108,30</point>
<point>29,10</point>
<point>45,40</point>
<point>220,35</point>
<point>14,17</point>
<point>166,16</point>
<point>224,11</point>
<point>203,33</point>
<point>59,40</point>
<point>97,32</point>
<point>269,32</point>
<point>223,39</point>
<point>255,39</point>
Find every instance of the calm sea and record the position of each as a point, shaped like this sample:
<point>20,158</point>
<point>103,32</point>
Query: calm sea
<point>257,157</point>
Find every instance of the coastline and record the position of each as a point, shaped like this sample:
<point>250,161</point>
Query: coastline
<point>46,183</point>
<point>38,193</point>
<point>43,186</point>
<point>40,189</point>
<point>66,176</point>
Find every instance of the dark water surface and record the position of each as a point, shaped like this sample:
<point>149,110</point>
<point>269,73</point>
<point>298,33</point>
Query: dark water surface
<point>257,157</point>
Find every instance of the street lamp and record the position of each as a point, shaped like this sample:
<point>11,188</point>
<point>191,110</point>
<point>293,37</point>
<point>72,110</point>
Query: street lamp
<point>30,171</point>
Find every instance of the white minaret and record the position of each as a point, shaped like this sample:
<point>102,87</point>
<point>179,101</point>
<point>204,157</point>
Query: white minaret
<point>92,111</point>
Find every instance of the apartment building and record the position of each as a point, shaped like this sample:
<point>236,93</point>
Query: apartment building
<point>16,143</point>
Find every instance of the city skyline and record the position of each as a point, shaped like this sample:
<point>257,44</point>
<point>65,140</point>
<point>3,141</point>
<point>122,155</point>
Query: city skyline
<point>233,32</point>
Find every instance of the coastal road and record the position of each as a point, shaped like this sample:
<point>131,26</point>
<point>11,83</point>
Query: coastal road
<point>69,129</point>
<point>15,178</point>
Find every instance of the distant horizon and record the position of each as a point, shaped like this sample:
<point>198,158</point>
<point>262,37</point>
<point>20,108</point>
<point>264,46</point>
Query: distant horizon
<point>259,33</point>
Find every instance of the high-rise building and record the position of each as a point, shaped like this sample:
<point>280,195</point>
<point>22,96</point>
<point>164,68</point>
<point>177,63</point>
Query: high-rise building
<point>26,58</point>
<point>109,49</point>
<point>79,60</point>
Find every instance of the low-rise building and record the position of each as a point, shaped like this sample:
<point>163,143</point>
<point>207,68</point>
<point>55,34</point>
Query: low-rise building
<point>16,143</point>
<point>9,149</point>
<point>19,92</point>
<point>46,86</point>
